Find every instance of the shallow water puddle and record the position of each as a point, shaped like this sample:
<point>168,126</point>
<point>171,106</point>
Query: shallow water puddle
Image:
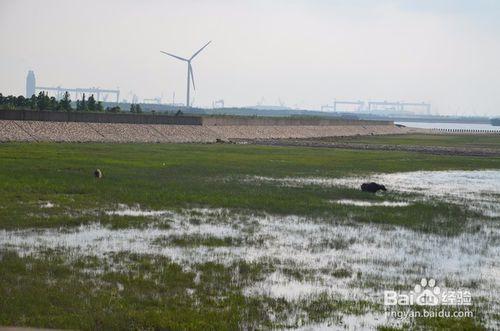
<point>477,189</point>
<point>362,203</point>
<point>335,258</point>
<point>308,243</point>
<point>277,285</point>
<point>135,211</point>
<point>47,204</point>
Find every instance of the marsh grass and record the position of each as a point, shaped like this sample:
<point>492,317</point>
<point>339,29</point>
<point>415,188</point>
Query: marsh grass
<point>198,240</point>
<point>192,175</point>
<point>152,292</point>
<point>58,288</point>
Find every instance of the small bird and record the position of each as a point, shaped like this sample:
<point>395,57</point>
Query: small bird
<point>98,173</point>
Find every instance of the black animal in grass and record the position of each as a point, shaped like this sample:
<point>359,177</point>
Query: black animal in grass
<point>372,187</point>
<point>98,173</point>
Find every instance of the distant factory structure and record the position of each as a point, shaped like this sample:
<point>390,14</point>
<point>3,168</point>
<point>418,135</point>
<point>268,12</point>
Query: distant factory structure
<point>340,105</point>
<point>218,104</point>
<point>30,84</point>
<point>153,101</point>
<point>360,106</point>
<point>32,88</point>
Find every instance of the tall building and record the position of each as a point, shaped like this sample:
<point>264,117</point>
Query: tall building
<point>30,84</point>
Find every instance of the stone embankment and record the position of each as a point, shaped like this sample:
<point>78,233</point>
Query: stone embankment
<point>13,130</point>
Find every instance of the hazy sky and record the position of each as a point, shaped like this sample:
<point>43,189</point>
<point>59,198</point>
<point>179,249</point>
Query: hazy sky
<point>304,52</point>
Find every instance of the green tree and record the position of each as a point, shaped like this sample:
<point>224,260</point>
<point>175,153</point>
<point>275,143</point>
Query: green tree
<point>65,103</point>
<point>21,101</point>
<point>42,101</point>
<point>33,102</point>
<point>99,106</point>
<point>53,104</point>
<point>135,108</point>
<point>11,101</point>
<point>91,103</point>
<point>115,109</point>
<point>82,105</point>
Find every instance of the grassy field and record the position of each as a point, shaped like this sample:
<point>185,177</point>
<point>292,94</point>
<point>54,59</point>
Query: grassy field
<point>58,287</point>
<point>180,176</point>
<point>464,141</point>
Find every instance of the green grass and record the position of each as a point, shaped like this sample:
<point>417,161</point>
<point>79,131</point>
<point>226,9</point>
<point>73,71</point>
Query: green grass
<point>48,292</point>
<point>474,141</point>
<point>178,176</point>
<point>198,240</point>
<point>121,291</point>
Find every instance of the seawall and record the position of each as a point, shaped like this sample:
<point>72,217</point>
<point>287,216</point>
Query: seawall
<point>14,130</point>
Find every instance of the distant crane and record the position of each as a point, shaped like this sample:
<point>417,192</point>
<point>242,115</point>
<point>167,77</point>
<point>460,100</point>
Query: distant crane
<point>218,104</point>
<point>190,75</point>
<point>156,100</point>
<point>79,91</point>
<point>370,106</point>
<point>31,89</point>
<point>359,104</point>
<point>398,105</point>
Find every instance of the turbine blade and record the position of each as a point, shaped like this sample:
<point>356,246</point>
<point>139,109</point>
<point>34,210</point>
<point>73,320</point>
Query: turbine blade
<point>192,57</point>
<point>177,57</point>
<point>192,75</point>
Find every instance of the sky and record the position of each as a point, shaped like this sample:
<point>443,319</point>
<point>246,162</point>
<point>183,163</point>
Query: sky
<point>302,53</point>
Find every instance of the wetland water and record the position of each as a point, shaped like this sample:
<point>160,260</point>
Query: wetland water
<point>312,257</point>
<point>343,260</point>
<point>478,190</point>
<point>437,125</point>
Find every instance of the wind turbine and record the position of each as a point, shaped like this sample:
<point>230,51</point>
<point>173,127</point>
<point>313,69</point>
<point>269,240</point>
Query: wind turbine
<point>190,75</point>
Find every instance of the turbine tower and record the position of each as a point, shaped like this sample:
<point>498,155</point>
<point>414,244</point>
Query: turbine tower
<point>190,75</point>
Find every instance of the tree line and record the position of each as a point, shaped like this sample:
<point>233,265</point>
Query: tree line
<point>42,101</point>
